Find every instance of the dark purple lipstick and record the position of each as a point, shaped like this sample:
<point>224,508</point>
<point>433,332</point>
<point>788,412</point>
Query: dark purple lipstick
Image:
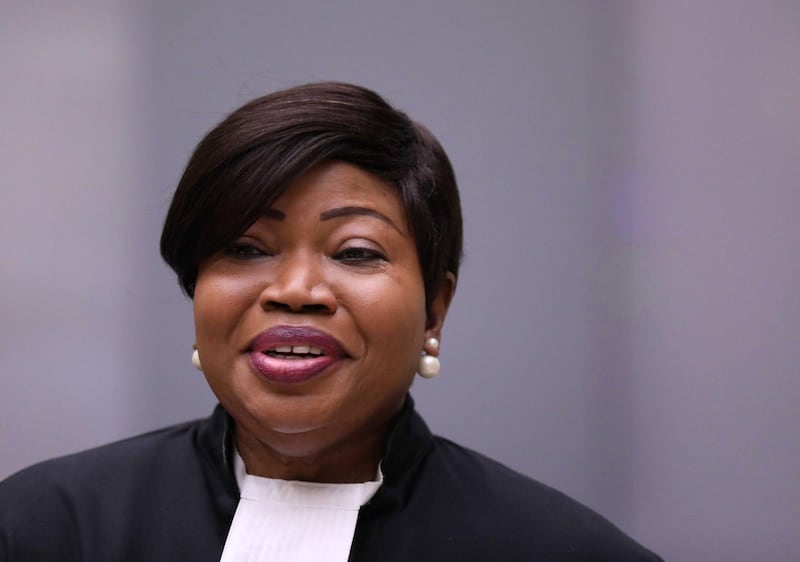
<point>293,354</point>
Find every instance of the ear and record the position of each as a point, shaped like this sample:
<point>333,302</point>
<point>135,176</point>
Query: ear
<point>439,307</point>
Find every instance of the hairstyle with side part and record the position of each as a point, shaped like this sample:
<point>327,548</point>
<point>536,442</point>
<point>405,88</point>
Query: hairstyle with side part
<point>253,156</point>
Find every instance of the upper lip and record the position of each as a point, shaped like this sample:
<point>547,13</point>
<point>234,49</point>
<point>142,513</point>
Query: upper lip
<point>296,336</point>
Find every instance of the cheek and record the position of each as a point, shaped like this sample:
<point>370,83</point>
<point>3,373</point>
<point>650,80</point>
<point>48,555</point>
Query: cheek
<point>391,317</point>
<point>219,305</point>
<point>207,307</point>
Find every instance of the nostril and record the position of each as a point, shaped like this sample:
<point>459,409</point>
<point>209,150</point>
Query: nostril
<point>307,308</point>
<point>314,308</point>
<point>275,305</point>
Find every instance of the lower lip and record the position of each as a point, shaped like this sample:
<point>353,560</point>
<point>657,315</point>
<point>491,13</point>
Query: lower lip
<point>286,371</point>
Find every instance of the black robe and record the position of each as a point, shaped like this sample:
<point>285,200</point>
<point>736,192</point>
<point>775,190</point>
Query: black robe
<point>170,495</point>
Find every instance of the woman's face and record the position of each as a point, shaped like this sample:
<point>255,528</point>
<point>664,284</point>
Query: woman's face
<point>310,325</point>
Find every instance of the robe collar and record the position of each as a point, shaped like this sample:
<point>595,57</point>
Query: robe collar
<point>408,443</point>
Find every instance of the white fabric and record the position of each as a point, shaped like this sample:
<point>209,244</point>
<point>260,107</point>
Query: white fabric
<point>291,521</point>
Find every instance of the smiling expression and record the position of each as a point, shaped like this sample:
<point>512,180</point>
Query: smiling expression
<point>310,325</point>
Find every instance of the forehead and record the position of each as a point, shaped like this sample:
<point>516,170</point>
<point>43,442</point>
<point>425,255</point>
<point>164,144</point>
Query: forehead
<point>333,185</point>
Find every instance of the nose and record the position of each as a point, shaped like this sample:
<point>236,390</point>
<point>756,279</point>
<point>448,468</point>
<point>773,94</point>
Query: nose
<point>299,285</point>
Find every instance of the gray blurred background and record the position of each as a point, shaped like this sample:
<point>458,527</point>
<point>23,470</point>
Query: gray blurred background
<point>627,322</point>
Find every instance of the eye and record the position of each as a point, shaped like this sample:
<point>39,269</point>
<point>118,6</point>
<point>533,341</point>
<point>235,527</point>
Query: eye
<point>359,255</point>
<point>244,250</point>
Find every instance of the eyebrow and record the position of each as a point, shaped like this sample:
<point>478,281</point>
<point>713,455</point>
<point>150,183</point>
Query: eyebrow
<point>275,214</point>
<point>364,211</point>
<point>271,213</point>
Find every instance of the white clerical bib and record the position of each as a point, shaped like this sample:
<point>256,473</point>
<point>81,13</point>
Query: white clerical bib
<point>290,521</point>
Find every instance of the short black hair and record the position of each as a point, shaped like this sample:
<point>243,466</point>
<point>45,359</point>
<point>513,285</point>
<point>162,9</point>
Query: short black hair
<point>252,157</point>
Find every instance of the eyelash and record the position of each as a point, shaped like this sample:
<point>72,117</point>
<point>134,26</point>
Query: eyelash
<point>354,255</point>
<point>243,250</point>
<point>362,255</point>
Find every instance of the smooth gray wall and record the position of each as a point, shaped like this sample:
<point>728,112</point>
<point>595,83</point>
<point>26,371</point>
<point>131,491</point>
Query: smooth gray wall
<point>626,326</point>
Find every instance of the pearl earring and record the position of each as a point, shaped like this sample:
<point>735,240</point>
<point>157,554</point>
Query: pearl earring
<point>429,364</point>
<point>196,360</point>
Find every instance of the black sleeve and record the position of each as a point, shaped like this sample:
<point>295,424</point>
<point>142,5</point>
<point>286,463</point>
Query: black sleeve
<point>158,496</point>
<point>37,521</point>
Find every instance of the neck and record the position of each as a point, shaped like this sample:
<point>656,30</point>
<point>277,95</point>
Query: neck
<point>355,459</point>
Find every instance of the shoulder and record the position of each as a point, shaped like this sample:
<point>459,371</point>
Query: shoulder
<point>50,506</point>
<point>497,485</point>
<point>96,466</point>
<point>526,515</point>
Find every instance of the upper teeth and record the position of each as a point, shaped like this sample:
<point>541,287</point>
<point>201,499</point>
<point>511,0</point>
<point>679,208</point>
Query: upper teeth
<point>298,349</point>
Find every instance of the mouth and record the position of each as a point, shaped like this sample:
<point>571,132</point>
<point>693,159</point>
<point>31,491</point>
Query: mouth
<point>293,354</point>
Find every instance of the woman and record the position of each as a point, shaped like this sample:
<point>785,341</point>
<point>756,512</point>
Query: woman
<point>318,232</point>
